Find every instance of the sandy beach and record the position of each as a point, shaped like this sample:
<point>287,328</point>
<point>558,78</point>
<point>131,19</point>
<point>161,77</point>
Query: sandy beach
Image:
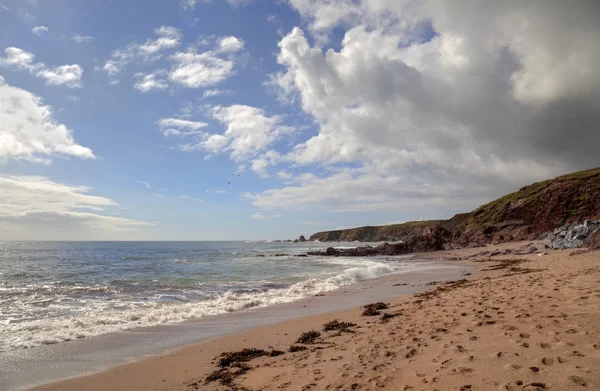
<point>523,322</point>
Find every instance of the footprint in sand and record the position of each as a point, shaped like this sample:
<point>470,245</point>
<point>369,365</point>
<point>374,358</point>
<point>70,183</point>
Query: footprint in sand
<point>579,380</point>
<point>548,361</point>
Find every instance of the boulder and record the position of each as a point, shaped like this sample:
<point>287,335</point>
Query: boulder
<point>302,239</point>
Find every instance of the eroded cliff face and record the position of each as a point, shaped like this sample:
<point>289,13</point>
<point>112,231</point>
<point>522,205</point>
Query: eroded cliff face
<point>593,242</point>
<point>521,215</point>
<point>375,234</point>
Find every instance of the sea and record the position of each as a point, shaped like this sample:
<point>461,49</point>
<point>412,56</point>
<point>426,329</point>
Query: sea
<point>52,292</point>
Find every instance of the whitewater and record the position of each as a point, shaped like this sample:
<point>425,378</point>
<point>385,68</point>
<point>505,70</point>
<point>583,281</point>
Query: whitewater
<point>53,292</point>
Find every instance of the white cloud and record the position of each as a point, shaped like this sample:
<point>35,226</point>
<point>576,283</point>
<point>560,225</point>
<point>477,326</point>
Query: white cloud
<point>196,70</point>
<point>260,216</point>
<point>151,81</point>
<point>166,38</point>
<point>248,135</point>
<point>215,92</point>
<point>73,98</point>
<point>189,5</point>
<point>39,30</point>
<point>28,130</point>
<point>284,175</point>
<point>36,208</point>
<point>230,44</point>
<point>180,127</point>
<point>20,59</point>
<point>67,75</point>
<point>144,183</point>
<point>248,132</point>
<point>259,166</point>
<point>82,38</point>
<point>437,103</point>
<point>217,191</point>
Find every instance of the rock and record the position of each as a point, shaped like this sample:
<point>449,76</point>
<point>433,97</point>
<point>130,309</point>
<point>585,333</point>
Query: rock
<point>302,239</point>
<point>593,241</point>
<point>572,235</point>
<point>366,251</point>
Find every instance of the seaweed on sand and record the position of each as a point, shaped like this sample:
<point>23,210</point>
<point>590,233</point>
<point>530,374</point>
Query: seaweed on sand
<point>373,309</point>
<point>308,337</point>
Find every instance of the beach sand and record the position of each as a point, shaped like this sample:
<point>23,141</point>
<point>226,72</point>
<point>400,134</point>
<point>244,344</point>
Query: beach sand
<point>519,322</point>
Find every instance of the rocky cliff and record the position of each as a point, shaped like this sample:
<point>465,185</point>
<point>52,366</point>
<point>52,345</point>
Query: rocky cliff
<point>524,214</point>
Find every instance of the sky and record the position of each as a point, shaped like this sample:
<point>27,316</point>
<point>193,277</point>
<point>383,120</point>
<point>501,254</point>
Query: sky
<point>256,119</point>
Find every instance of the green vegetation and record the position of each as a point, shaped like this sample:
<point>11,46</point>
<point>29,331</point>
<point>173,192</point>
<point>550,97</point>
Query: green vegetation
<point>535,208</point>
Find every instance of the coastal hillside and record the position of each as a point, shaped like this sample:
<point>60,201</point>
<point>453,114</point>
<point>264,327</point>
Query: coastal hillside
<point>525,214</point>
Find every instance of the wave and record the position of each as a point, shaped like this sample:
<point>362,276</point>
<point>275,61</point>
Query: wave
<point>103,317</point>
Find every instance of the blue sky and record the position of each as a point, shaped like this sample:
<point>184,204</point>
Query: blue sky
<point>208,120</point>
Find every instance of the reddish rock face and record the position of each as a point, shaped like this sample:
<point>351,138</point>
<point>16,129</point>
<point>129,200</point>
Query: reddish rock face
<point>593,242</point>
<point>523,215</point>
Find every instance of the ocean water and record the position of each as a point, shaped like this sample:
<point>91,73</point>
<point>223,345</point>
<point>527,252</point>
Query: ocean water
<point>51,292</point>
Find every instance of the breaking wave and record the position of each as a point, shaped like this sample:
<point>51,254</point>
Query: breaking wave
<point>95,315</point>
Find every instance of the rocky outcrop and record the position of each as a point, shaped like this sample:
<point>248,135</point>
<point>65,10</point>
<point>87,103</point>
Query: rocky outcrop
<point>428,239</point>
<point>522,215</point>
<point>365,251</point>
<point>593,241</point>
<point>571,235</point>
<point>302,239</point>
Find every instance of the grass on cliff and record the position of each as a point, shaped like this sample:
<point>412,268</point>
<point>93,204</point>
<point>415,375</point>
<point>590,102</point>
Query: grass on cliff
<point>584,193</point>
<point>494,211</point>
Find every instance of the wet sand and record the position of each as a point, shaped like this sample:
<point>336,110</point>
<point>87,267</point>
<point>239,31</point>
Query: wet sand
<point>22,369</point>
<point>521,322</point>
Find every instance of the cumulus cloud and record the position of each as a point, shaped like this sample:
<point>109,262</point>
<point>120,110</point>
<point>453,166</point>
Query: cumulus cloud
<point>67,75</point>
<point>230,44</point>
<point>166,38</point>
<point>28,130</point>
<point>439,102</point>
<point>193,69</point>
<point>196,70</point>
<point>19,59</point>
<point>35,207</point>
<point>249,133</point>
<point>151,82</point>
<point>39,30</point>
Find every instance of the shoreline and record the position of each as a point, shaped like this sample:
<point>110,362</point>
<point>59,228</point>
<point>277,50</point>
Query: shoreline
<point>518,323</point>
<point>23,369</point>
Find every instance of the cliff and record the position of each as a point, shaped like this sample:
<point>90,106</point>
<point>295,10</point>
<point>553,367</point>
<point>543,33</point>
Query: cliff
<point>524,214</point>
